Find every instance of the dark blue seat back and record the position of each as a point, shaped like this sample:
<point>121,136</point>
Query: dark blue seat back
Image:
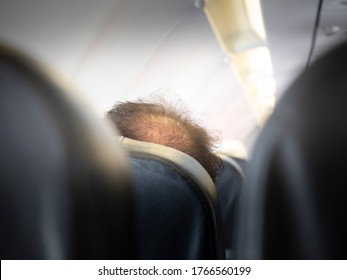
<point>229,183</point>
<point>65,190</point>
<point>177,206</point>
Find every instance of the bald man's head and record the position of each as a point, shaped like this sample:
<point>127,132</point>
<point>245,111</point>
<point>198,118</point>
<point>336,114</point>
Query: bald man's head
<point>161,123</point>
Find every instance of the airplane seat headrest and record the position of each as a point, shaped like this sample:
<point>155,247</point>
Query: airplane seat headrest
<point>177,205</point>
<point>294,204</point>
<point>65,189</point>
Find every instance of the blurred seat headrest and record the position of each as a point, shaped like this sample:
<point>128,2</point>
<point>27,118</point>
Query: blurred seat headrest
<point>294,204</point>
<point>65,190</point>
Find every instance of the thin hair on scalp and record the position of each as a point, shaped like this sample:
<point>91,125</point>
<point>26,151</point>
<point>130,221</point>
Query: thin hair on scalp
<point>168,124</point>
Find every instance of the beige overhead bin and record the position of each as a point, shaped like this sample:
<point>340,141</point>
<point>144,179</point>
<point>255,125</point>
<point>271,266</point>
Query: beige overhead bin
<point>239,28</point>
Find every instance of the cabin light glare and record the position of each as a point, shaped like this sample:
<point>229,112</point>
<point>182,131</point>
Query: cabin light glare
<point>233,148</point>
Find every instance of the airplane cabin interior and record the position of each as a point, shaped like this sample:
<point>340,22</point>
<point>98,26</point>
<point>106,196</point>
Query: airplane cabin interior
<point>266,78</point>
